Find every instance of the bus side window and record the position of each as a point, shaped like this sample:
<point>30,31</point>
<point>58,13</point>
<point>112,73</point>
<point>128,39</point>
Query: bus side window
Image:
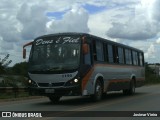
<point>98,51</point>
<point>141,63</point>
<point>115,54</point>
<point>128,56</point>
<point>106,52</point>
<point>120,55</point>
<point>94,51</point>
<point>135,57</point>
<point>110,54</point>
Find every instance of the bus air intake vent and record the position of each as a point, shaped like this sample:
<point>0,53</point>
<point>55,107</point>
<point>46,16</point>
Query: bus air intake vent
<point>58,84</point>
<point>53,84</point>
<point>43,84</point>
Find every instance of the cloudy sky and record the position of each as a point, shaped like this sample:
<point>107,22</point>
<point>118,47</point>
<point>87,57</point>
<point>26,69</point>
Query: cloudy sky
<point>132,22</point>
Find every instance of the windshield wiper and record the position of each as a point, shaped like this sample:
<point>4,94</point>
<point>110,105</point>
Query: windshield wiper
<point>40,68</point>
<point>54,68</point>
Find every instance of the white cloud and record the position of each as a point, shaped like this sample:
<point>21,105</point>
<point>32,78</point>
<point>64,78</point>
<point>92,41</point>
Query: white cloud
<point>8,28</point>
<point>143,25</point>
<point>101,22</point>
<point>150,52</point>
<point>33,20</point>
<point>74,20</point>
<point>132,30</point>
<point>6,45</point>
<point>155,10</point>
<point>98,23</point>
<point>158,41</point>
<point>22,21</point>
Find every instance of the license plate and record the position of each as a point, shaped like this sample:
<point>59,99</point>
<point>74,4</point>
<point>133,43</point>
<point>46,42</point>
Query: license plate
<point>49,90</point>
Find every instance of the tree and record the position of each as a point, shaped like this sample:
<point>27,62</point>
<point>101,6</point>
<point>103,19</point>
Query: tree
<point>19,69</point>
<point>150,76</point>
<point>2,69</point>
<point>4,63</point>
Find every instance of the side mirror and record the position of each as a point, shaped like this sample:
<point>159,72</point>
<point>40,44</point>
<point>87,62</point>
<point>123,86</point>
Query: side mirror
<point>24,50</point>
<point>85,48</point>
<point>24,53</point>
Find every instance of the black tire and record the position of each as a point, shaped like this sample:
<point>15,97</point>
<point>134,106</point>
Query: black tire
<point>131,89</point>
<point>54,99</point>
<point>98,92</point>
<point>104,95</point>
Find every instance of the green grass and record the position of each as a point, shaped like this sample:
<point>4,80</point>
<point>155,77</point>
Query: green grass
<point>152,79</point>
<point>10,95</point>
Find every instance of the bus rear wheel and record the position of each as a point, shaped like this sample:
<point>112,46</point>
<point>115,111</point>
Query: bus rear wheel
<point>54,99</point>
<point>131,89</point>
<point>97,92</point>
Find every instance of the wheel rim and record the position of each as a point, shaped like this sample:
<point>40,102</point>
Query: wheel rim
<point>98,91</point>
<point>133,87</point>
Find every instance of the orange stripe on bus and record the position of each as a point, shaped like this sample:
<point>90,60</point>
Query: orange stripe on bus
<point>125,80</point>
<point>119,80</point>
<point>116,81</point>
<point>88,75</point>
<point>122,80</point>
<point>140,79</point>
<point>86,78</point>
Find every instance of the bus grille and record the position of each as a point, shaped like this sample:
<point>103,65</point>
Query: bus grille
<point>53,84</point>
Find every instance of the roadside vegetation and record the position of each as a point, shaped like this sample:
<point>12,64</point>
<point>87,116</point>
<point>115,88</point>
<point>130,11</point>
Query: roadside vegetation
<point>151,77</point>
<point>15,80</point>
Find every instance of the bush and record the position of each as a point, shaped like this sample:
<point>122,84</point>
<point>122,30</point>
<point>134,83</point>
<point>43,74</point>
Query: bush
<point>150,76</point>
<point>14,81</point>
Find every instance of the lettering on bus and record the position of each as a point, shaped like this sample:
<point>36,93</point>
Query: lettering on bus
<point>70,40</point>
<point>42,42</point>
<point>60,40</point>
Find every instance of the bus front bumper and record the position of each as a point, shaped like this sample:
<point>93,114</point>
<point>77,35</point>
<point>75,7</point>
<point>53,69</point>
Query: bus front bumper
<point>61,91</point>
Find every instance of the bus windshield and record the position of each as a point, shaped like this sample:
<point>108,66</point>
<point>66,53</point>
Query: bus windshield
<point>62,53</point>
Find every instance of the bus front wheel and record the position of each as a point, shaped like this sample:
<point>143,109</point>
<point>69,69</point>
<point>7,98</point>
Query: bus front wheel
<point>97,92</point>
<point>54,99</point>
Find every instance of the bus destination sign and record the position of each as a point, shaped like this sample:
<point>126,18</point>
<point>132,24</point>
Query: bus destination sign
<point>59,40</point>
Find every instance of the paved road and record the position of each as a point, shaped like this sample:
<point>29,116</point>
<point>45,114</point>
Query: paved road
<point>147,98</point>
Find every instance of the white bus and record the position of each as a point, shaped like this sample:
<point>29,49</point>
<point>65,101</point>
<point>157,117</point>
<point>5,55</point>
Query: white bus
<point>82,64</point>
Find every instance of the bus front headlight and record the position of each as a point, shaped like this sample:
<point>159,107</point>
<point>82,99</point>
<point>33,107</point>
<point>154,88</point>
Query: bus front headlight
<point>75,80</point>
<point>29,81</point>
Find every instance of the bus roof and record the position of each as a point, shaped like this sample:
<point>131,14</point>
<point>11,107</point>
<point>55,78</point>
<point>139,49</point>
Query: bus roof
<point>92,36</point>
